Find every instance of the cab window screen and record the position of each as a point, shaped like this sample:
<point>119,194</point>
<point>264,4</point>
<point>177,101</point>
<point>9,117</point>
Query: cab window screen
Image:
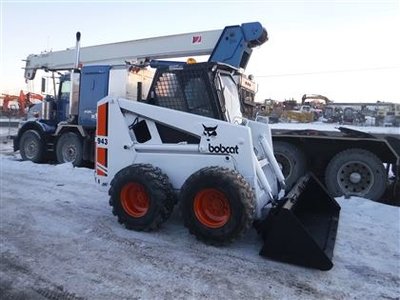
<point>184,91</point>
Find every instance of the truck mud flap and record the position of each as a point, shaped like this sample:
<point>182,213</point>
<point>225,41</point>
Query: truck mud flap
<point>302,228</point>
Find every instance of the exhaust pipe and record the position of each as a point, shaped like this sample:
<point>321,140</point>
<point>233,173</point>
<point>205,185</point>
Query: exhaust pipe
<point>75,79</point>
<point>77,49</point>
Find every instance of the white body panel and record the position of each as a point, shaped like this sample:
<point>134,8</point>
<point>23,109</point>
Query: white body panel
<point>232,146</point>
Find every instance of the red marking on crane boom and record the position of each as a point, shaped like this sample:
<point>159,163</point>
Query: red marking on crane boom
<point>196,39</point>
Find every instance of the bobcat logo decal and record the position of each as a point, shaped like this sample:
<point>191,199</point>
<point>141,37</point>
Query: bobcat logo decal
<point>210,131</point>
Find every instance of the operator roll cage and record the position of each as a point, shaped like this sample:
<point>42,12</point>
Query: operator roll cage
<point>195,88</point>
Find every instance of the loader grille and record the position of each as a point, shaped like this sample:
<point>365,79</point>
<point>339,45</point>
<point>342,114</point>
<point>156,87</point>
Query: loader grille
<point>185,90</point>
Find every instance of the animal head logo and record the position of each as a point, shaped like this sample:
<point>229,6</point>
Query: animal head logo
<point>210,131</point>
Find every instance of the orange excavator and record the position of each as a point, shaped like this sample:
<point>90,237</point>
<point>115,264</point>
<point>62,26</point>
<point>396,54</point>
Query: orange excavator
<point>24,100</point>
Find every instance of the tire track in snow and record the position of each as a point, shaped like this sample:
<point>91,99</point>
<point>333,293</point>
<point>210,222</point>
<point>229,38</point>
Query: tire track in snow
<point>33,283</point>
<point>214,270</point>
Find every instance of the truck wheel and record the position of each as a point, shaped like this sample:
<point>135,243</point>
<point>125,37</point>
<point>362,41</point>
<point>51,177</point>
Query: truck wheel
<point>291,160</point>
<point>69,149</point>
<point>217,205</point>
<point>31,146</point>
<point>142,197</point>
<point>356,172</point>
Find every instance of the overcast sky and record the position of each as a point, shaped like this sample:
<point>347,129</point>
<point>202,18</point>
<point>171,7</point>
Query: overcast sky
<point>346,50</point>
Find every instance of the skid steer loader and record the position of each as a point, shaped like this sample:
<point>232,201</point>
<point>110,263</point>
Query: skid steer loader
<point>188,143</point>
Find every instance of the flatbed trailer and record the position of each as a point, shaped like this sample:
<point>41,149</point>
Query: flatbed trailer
<point>349,162</point>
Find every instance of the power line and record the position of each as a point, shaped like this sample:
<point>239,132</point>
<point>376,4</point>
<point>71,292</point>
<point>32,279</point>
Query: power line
<point>331,71</point>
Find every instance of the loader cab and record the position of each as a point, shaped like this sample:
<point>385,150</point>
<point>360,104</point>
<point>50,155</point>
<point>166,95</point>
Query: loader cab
<point>206,89</point>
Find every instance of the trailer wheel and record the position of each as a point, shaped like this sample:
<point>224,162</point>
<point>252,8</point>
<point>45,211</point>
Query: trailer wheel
<point>31,146</point>
<point>291,160</point>
<point>356,172</point>
<point>217,205</point>
<point>142,197</point>
<point>70,149</point>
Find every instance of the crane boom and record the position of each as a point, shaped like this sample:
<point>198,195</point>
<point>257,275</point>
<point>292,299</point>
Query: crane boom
<point>179,45</point>
<point>231,45</point>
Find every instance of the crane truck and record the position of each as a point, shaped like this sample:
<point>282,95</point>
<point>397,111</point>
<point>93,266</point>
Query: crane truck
<point>188,142</point>
<point>66,128</point>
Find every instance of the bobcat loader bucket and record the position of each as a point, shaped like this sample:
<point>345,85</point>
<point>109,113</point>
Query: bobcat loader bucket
<point>302,228</point>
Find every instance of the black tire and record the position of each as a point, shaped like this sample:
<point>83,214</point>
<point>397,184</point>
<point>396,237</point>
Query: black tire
<point>31,146</point>
<point>69,149</point>
<point>356,172</point>
<point>133,184</point>
<point>292,161</point>
<point>225,190</point>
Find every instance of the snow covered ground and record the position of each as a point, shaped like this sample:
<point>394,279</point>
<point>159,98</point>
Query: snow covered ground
<point>59,240</point>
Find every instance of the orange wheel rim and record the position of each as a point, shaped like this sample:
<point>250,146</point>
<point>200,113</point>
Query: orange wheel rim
<point>134,199</point>
<point>212,208</point>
